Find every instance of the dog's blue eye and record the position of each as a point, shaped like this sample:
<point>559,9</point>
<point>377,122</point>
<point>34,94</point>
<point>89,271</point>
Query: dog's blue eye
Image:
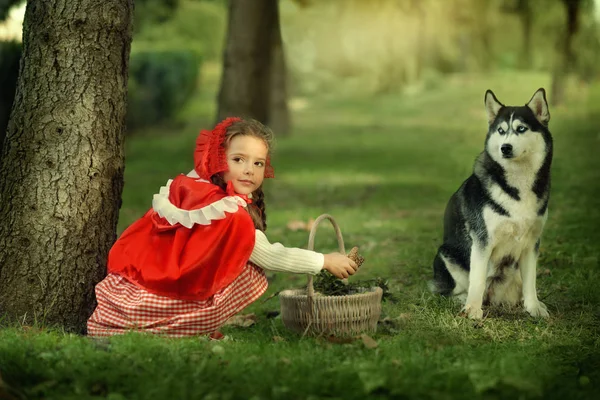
<point>521,129</point>
<point>501,131</point>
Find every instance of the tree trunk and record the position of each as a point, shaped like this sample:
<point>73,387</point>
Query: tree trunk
<point>61,174</point>
<point>526,17</point>
<point>246,80</point>
<point>565,56</point>
<point>279,113</point>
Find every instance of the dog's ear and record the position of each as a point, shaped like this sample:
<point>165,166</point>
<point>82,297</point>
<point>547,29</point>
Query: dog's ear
<point>539,106</point>
<point>492,106</point>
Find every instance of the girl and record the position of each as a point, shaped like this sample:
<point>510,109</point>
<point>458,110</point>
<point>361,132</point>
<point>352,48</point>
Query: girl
<point>197,256</point>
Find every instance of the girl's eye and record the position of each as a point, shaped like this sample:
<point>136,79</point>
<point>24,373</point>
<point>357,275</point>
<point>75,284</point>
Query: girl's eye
<point>259,164</point>
<point>237,159</point>
<point>501,131</point>
<point>521,129</point>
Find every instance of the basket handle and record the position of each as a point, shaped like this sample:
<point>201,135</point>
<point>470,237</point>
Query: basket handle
<point>311,244</point>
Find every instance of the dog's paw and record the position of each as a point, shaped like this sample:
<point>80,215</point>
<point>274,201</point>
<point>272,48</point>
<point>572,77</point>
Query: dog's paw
<point>537,310</point>
<point>472,312</point>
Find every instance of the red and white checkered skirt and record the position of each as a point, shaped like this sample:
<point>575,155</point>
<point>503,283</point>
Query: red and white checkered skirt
<point>123,307</point>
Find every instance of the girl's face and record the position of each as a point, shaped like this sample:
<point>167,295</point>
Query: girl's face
<point>246,159</point>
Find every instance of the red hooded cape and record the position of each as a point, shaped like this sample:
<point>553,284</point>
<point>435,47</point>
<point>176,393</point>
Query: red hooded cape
<point>185,263</point>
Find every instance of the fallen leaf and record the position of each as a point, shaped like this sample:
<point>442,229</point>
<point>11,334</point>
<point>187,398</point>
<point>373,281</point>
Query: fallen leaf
<point>216,335</point>
<point>278,339</point>
<point>402,213</point>
<point>368,341</point>
<point>339,340</point>
<point>285,360</point>
<point>296,225</point>
<point>243,320</point>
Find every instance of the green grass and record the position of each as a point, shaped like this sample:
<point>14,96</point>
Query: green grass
<point>384,167</point>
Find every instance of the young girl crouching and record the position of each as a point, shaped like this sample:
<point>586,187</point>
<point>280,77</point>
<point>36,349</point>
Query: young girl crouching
<point>197,256</point>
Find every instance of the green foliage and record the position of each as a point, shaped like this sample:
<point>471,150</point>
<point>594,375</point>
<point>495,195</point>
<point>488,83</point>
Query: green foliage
<point>10,54</point>
<point>160,83</point>
<point>328,285</point>
<point>150,12</point>
<point>166,59</point>
<point>198,25</point>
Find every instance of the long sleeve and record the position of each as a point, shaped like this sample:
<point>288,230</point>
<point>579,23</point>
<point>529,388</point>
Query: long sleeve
<point>276,257</point>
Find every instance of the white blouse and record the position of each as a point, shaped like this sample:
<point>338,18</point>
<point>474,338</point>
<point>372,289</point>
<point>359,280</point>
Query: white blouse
<point>276,257</point>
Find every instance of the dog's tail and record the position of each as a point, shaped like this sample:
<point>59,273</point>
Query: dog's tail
<point>435,288</point>
<point>442,282</point>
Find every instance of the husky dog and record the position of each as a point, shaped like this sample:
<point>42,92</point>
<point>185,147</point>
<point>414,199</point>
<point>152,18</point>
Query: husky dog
<point>494,221</point>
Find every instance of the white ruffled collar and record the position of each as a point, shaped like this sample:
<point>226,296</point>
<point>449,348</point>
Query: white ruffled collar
<point>202,216</point>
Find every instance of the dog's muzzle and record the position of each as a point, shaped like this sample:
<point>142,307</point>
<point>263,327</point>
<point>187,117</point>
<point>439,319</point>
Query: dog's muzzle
<point>507,150</point>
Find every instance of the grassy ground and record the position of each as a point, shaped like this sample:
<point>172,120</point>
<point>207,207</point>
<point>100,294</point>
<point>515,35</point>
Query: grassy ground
<point>384,167</point>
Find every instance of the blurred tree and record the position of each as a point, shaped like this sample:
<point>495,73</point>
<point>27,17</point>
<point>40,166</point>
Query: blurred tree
<point>587,48</point>
<point>150,12</point>
<point>524,10</point>
<point>61,174</point>
<point>419,8</point>
<point>253,83</point>
<point>279,113</point>
<point>6,5</point>
<point>565,50</point>
<point>474,32</point>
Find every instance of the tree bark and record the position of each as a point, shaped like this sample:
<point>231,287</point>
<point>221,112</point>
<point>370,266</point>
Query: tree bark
<point>247,63</point>
<point>565,49</point>
<point>279,113</point>
<point>61,174</point>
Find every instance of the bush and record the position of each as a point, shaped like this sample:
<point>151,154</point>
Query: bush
<point>10,54</point>
<point>201,25</point>
<point>160,83</point>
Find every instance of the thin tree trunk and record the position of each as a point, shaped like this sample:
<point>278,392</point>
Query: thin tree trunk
<point>526,17</point>
<point>246,80</point>
<point>61,174</point>
<point>279,113</point>
<point>422,50</point>
<point>565,56</point>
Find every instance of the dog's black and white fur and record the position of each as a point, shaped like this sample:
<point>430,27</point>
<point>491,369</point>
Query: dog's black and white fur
<point>493,223</point>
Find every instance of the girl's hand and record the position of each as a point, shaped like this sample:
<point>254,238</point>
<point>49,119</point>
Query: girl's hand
<point>339,265</point>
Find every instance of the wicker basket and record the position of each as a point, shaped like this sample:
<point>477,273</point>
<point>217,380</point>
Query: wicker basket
<point>310,313</point>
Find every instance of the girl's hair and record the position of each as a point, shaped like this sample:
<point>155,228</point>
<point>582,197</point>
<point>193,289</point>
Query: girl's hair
<point>249,127</point>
